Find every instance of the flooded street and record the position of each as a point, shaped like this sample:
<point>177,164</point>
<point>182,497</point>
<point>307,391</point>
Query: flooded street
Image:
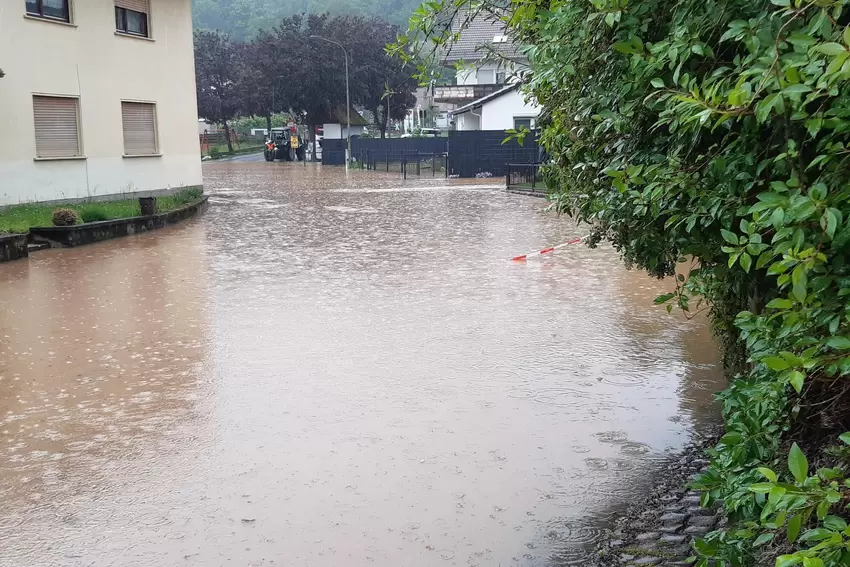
<point>333,369</point>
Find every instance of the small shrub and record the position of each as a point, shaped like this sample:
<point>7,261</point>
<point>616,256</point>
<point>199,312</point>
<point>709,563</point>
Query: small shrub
<point>93,213</point>
<point>64,217</point>
<point>191,194</point>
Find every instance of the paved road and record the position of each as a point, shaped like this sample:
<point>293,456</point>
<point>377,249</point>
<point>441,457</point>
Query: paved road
<point>332,369</point>
<point>246,158</point>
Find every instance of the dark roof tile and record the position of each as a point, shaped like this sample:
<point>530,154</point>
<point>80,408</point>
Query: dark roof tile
<point>476,41</point>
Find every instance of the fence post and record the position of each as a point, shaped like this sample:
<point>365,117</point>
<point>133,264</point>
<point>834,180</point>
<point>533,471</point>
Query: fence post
<point>433,164</point>
<point>418,165</point>
<point>533,179</point>
<point>508,176</point>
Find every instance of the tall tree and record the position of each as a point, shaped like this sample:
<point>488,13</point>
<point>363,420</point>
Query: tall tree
<point>217,75</point>
<point>380,83</point>
<point>276,57</point>
<point>320,92</point>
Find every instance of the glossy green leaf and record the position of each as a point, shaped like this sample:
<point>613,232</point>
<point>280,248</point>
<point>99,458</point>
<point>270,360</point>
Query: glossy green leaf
<point>797,463</point>
<point>839,343</point>
<point>768,474</point>
<point>780,303</point>
<point>796,379</point>
<point>830,48</point>
<point>776,363</point>
<point>788,560</point>
<point>796,90</point>
<point>794,525</point>
<point>729,236</point>
<point>799,281</point>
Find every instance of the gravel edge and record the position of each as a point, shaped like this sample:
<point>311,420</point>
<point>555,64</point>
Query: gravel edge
<point>659,529</point>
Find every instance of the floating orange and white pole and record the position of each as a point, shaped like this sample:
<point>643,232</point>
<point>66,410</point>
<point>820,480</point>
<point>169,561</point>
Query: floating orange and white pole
<point>549,250</point>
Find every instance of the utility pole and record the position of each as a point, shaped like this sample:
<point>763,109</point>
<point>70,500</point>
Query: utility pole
<point>347,95</point>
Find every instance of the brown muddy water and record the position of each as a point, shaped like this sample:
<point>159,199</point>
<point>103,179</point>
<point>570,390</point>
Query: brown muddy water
<point>335,370</point>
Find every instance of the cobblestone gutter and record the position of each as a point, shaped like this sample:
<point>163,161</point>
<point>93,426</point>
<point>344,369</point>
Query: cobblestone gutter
<point>660,529</point>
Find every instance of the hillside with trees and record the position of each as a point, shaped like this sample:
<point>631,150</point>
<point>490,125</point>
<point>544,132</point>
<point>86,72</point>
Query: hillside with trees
<point>243,19</point>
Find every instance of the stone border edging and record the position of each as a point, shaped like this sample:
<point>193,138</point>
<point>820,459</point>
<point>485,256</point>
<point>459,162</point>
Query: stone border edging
<point>91,232</point>
<point>660,529</point>
<point>527,193</point>
<point>13,247</point>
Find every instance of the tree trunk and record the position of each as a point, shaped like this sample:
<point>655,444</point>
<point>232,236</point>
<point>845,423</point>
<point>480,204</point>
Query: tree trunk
<point>269,124</point>
<point>227,136</point>
<point>379,122</point>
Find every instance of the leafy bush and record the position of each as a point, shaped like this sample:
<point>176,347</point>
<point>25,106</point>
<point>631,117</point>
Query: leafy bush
<point>93,213</point>
<point>64,217</point>
<point>713,135</point>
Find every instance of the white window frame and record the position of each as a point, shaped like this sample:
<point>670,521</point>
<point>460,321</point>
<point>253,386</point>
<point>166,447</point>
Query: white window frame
<point>79,128</point>
<point>158,147</point>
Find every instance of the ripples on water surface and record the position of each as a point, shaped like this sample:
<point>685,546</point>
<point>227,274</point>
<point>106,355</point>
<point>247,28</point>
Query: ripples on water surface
<point>328,370</point>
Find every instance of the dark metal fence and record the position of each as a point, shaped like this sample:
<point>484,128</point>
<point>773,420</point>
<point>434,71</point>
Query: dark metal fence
<point>464,153</point>
<point>398,145</point>
<point>408,164</point>
<point>525,178</point>
<point>333,151</point>
<point>485,151</point>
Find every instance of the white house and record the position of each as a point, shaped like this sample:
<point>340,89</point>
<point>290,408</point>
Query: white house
<point>103,105</point>
<point>484,96</point>
<point>337,128</point>
<point>506,109</point>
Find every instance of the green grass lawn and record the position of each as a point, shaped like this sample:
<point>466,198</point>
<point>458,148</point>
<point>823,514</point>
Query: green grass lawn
<point>21,217</point>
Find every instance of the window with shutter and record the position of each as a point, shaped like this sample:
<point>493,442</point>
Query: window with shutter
<point>139,122</point>
<point>131,17</point>
<point>57,126</point>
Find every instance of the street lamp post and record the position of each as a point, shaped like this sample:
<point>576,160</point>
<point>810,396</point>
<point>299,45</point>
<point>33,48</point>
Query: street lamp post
<point>347,95</point>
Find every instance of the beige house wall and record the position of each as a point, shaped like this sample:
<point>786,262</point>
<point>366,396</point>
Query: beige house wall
<point>89,60</point>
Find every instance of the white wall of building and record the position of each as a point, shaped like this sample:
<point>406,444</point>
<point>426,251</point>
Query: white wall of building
<point>338,131</point>
<point>87,59</point>
<point>499,113</point>
<point>484,74</point>
<point>467,121</point>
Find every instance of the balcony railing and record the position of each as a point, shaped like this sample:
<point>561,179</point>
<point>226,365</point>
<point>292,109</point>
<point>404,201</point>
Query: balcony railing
<point>464,93</point>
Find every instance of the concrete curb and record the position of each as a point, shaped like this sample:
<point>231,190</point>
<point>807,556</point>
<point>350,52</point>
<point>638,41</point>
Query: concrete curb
<point>661,528</point>
<point>88,233</point>
<point>13,247</point>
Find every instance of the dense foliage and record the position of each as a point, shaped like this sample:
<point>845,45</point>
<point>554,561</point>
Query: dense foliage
<point>285,70</point>
<point>243,19</point>
<point>709,138</point>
